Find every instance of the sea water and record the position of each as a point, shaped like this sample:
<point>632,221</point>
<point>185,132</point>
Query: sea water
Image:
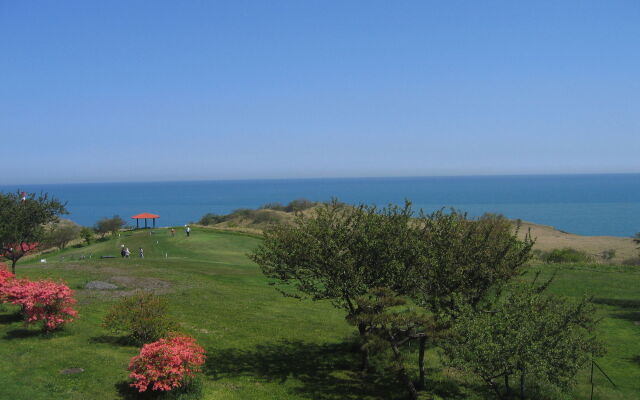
<point>581,204</point>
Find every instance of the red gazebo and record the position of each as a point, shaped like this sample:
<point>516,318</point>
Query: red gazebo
<point>145,216</point>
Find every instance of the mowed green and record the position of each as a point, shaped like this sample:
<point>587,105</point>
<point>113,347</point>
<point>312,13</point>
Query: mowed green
<point>260,344</point>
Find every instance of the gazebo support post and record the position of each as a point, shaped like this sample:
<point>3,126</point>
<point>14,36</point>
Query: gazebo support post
<point>137,223</point>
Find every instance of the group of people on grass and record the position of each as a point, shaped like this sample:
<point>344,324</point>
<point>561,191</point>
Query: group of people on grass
<point>187,231</point>
<point>126,253</point>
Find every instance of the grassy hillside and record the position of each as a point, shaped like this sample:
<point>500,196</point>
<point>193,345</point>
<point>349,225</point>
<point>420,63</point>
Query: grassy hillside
<point>260,345</point>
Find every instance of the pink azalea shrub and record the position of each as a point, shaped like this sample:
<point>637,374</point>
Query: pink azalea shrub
<point>5,278</point>
<point>166,364</point>
<point>43,301</point>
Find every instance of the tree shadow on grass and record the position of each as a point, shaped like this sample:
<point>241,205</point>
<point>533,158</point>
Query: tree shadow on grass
<point>325,372</point>
<point>113,340</point>
<point>634,359</point>
<point>633,316</point>
<point>620,303</point>
<point>10,318</point>
<point>26,333</point>
<point>628,309</point>
<point>192,391</point>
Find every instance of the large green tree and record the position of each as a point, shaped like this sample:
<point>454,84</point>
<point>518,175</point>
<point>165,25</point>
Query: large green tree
<point>339,253</point>
<point>22,222</point>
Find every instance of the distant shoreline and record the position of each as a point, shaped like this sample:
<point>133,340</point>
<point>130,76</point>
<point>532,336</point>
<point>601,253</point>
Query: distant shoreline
<point>604,205</point>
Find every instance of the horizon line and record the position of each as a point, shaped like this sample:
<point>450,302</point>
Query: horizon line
<point>328,178</point>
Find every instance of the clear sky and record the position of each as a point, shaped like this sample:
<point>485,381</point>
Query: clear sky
<point>95,91</point>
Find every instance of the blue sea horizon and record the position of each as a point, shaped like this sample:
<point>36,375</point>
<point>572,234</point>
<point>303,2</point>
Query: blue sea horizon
<point>588,204</point>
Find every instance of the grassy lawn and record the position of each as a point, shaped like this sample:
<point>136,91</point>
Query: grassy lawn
<point>260,345</point>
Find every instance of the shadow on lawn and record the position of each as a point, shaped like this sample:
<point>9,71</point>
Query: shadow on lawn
<point>325,372</point>
<point>10,318</point>
<point>630,308</point>
<point>113,340</point>
<point>620,303</point>
<point>24,333</point>
<point>192,391</point>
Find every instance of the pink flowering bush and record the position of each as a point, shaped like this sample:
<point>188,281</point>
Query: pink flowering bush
<point>43,301</point>
<point>166,364</point>
<point>5,278</point>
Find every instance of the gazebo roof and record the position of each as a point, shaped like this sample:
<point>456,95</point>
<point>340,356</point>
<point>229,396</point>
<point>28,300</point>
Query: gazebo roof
<point>145,215</point>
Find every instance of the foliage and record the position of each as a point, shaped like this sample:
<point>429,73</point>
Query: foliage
<point>293,206</point>
<point>166,364</point>
<point>212,219</point>
<point>143,316</point>
<point>609,254</point>
<point>22,222</point>
<point>565,255</point>
<point>109,225</point>
<point>45,301</point>
<point>340,253</point>
<point>86,234</point>
<point>60,234</point>
<point>527,334</point>
<point>466,259</point>
<point>261,216</point>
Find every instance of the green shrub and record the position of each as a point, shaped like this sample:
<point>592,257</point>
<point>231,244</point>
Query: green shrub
<point>294,205</point>
<point>608,254</point>
<point>212,219</point>
<point>266,217</point>
<point>565,255</point>
<point>143,317</point>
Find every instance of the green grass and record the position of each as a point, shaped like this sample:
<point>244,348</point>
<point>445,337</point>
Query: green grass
<point>260,345</point>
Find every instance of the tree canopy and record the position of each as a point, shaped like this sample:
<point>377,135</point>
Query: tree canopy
<point>22,222</point>
<point>109,225</point>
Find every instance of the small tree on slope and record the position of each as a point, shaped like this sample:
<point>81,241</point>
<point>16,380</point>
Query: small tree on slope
<point>22,223</point>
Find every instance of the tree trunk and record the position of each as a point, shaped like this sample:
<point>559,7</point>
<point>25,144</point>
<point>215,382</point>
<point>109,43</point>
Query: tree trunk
<point>364,350</point>
<point>522,384</point>
<point>421,379</point>
<point>506,385</point>
<point>13,266</point>
<point>402,372</point>
<point>495,388</point>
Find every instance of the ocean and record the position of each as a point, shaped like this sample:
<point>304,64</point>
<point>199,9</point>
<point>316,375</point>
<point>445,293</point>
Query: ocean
<point>582,204</point>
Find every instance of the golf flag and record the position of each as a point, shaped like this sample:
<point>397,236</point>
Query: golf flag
<point>23,196</point>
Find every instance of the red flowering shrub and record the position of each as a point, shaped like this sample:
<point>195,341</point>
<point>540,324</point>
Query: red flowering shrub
<point>5,278</point>
<point>43,301</point>
<point>166,364</point>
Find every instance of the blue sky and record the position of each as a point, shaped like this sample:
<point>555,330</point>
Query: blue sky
<point>156,90</point>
